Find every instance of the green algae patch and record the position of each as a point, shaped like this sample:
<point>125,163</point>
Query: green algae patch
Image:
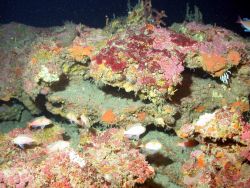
<point>48,135</point>
<point>168,161</point>
<point>43,55</point>
<point>84,97</point>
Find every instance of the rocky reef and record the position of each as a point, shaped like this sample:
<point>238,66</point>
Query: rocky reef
<point>189,83</point>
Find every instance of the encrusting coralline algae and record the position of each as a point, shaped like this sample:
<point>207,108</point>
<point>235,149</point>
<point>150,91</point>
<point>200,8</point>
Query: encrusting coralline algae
<point>132,103</point>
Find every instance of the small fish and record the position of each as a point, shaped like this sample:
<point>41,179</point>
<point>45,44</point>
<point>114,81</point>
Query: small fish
<point>59,145</point>
<point>135,131</point>
<point>23,140</point>
<point>84,121</point>
<point>188,143</point>
<point>39,122</point>
<point>152,147</point>
<point>245,23</point>
<point>73,119</point>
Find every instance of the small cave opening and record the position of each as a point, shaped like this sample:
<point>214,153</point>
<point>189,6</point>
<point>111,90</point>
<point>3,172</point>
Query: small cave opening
<point>169,130</point>
<point>40,103</point>
<point>159,160</point>
<point>61,84</point>
<point>11,110</point>
<point>183,90</point>
<point>121,93</point>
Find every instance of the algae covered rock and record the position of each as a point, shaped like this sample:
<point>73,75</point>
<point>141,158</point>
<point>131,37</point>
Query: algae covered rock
<point>218,49</point>
<point>10,112</point>
<point>82,97</point>
<point>145,60</point>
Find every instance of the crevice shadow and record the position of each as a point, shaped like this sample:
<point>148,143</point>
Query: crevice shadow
<point>61,84</point>
<point>183,89</point>
<point>159,160</point>
<point>121,93</point>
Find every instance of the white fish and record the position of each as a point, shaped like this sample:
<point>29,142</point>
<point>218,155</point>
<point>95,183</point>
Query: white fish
<point>39,122</point>
<point>73,118</point>
<point>84,120</point>
<point>135,131</point>
<point>81,120</point>
<point>22,140</point>
<point>152,146</point>
<point>59,145</point>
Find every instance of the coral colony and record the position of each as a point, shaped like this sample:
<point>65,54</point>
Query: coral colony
<point>125,105</point>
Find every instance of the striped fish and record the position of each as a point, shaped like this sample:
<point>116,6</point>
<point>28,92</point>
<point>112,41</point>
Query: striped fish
<point>245,23</point>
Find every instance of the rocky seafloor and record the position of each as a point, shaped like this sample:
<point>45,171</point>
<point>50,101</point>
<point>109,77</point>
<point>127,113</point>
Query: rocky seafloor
<point>188,85</point>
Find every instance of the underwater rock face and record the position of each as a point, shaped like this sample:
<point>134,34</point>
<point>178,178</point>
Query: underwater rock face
<point>105,158</point>
<point>222,124</point>
<point>83,98</point>
<point>10,111</point>
<point>190,80</point>
<point>206,94</point>
<point>145,60</point>
<point>218,49</point>
<point>226,139</point>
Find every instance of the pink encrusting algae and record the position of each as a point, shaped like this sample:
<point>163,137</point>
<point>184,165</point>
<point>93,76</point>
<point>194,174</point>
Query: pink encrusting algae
<point>217,43</point>
<point>155,57</point>
<point>224,125</point>
<point>131,105</point>
<point>108,161</point>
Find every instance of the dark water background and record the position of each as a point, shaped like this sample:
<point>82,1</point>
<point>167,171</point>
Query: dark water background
<point>46,13</point>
